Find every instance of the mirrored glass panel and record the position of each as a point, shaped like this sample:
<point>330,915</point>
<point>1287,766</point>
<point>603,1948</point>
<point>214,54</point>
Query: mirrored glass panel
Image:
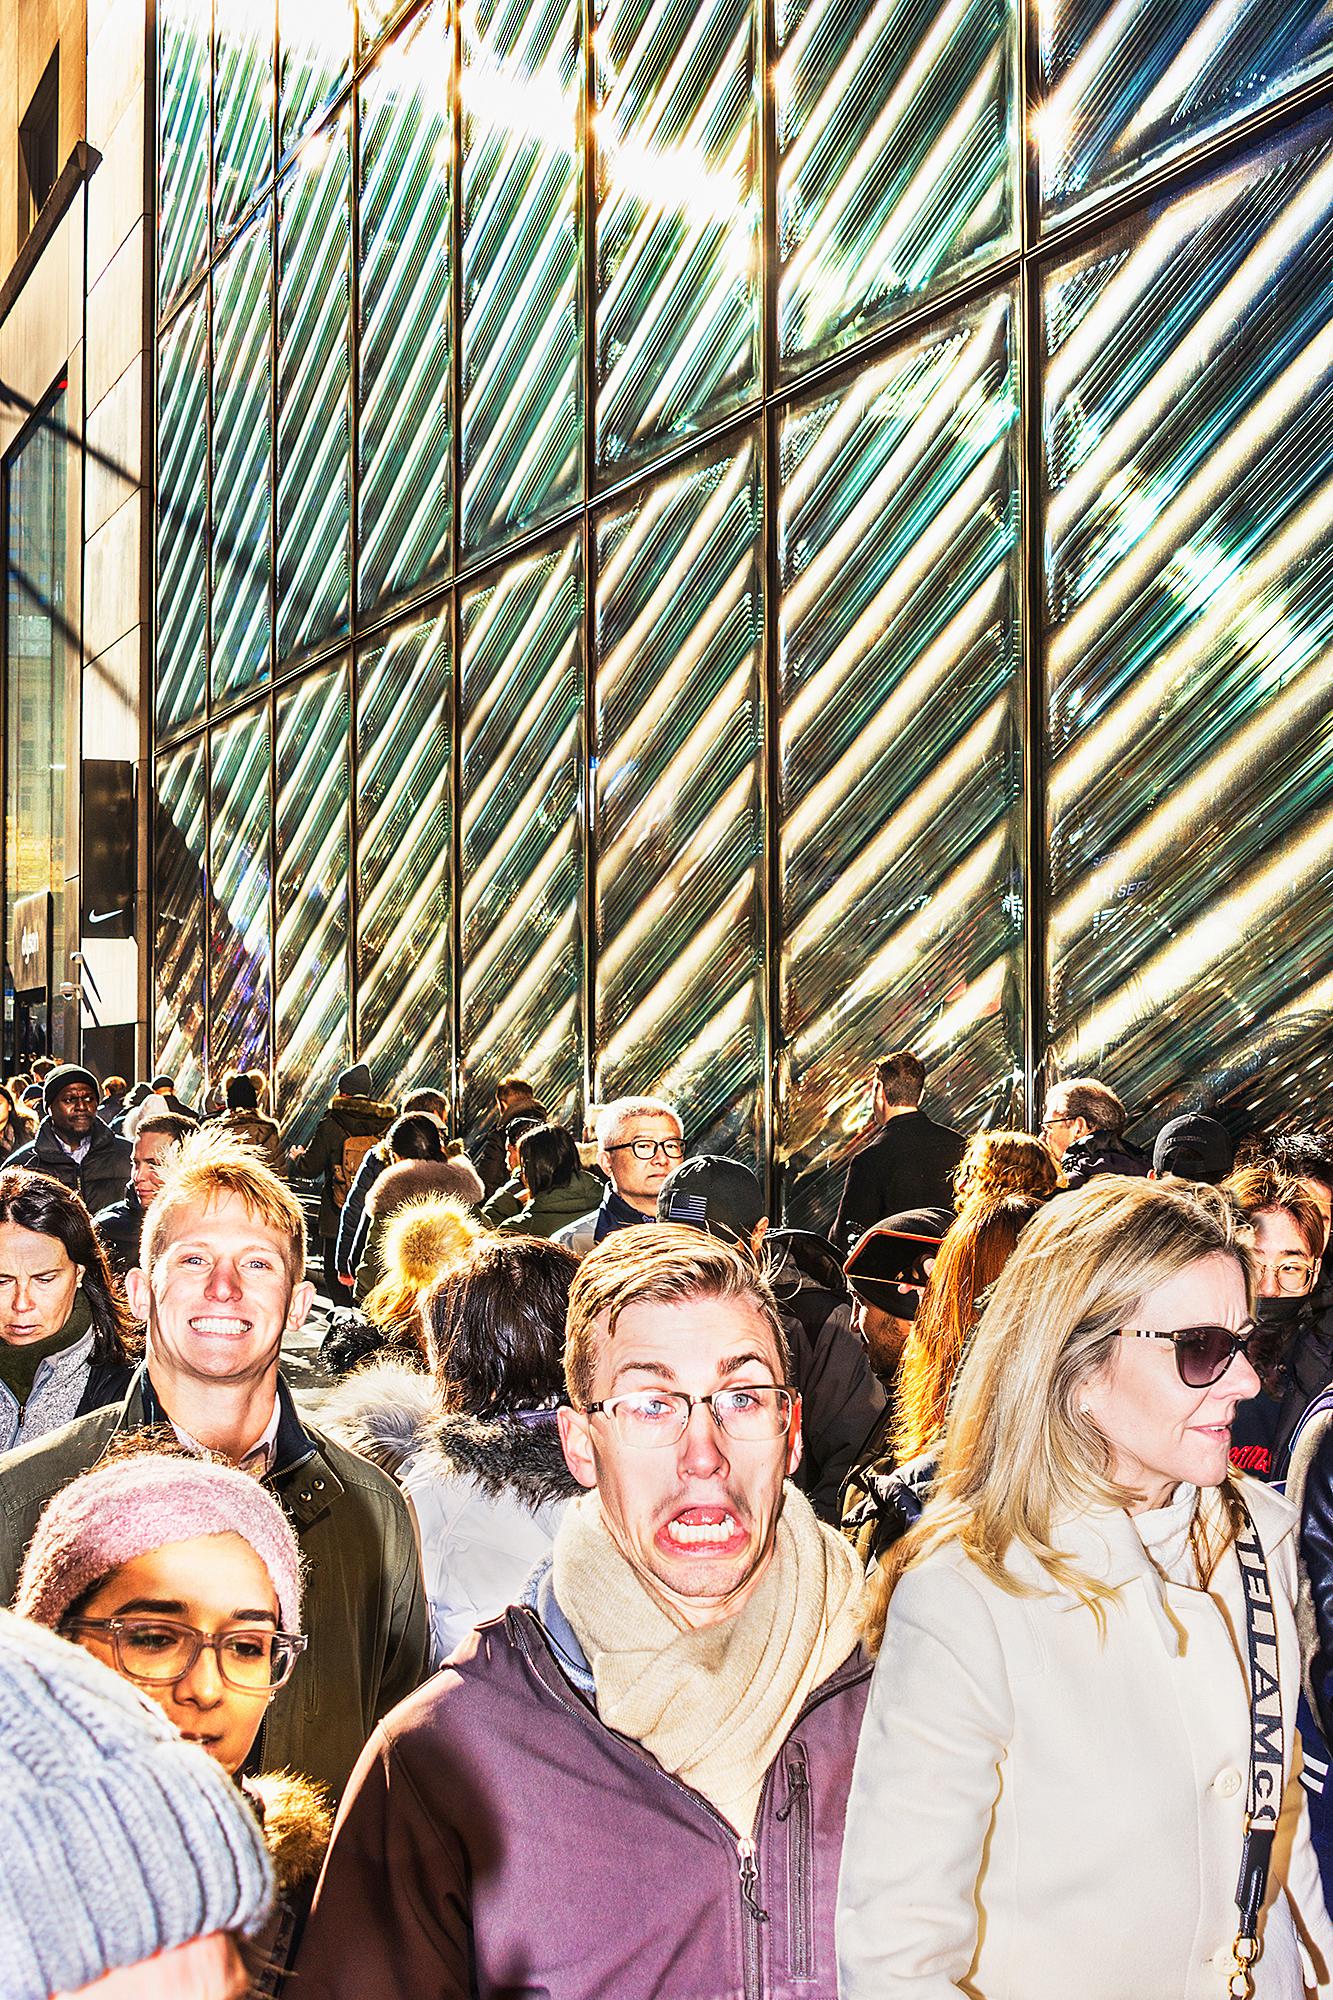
<point>1125,86</point>
<point>314,305</point>
<point>243,96</point>
<point>238,971</point>
<point>522,232</point>
<point>680,734</point>
<point>404,495</point>
<point>241,441</point>
<point>312,976</point>
<point>901,770</point>
<point>179,910</point>
<point>182,176</point>
<point>678,221</point>
<point>897,126</point>
<point>522,887</point>
<point>182,519</point>
<point>314,54</point>
<point>402,855</point>
<point>1189,445</point>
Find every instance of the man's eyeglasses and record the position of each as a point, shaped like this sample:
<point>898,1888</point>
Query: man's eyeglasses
<point>1291,1275</point>
<point>159,1651</point>
<point>1204,1353</point>
<point>752,1413</point>
<point>644,1149</point>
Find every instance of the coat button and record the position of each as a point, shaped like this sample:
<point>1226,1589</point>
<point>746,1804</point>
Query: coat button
<point>1227,1784</point>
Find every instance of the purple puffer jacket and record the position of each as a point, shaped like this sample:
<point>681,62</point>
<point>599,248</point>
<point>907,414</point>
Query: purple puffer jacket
<point>498,1840</point>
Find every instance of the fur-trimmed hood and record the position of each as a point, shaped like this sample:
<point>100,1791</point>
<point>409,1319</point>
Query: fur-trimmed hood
<point>363,1107</point>
<point>296,1816</point>
<point>504,1455</point>
<point>409,1180</point>
<point>383,1411</point>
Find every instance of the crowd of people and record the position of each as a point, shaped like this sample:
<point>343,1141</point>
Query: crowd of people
<point>657,1600</point>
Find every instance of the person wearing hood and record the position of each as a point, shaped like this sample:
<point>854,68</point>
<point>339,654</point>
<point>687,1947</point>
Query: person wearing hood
<point>420,1166</point>
<point>1287,1236</point>
<point>349,1128</point>
<point>184,1577</point>
<point>490,1483</point>
<point>557,1187</point>
<point>72,1144</point>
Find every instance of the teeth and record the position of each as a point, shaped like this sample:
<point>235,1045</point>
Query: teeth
<point>218,1325</point>
<point>691,1535</point>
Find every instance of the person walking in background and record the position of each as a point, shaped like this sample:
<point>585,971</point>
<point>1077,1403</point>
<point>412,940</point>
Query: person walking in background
<point>909,1159</point>
<point>352,1215</point>
<point>514,1098</point>
<point>997,1164</point>
<point>17,1125</point>
<point>1083,1123</point>
<point>349,1128</point>
<point>184,1577</point>
<point>244,1120</point>
<point>72,1144</point>
<point>511,1195</point>
<point>556,1189</point>
<point>113,1098</point>
<point>219,1285</point>
<point>1286,1235</point>
<point>639,1141</point>
<point>120,1226</point>
<point>1076,1659</point>
<point>419,1168</point>
<point>64,1328</point>
<point>1192,1148</point>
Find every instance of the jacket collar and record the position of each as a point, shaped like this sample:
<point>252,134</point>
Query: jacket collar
<point>300,1471</point>
<point>617,1212</point>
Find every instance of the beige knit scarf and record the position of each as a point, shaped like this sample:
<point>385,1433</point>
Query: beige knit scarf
<point>713,1706</point>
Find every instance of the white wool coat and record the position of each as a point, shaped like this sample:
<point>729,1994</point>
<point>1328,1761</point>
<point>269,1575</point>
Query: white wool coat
<point>1041,1813</point>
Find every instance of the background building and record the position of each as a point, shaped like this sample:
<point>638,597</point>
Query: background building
<point>699,542</point>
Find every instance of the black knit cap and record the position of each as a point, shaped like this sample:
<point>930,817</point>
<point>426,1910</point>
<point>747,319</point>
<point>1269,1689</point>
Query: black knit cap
<point>62,1077</point>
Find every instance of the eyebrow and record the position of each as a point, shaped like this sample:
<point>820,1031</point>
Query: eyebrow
<point>731,1366</point>
<point>166,1607</point>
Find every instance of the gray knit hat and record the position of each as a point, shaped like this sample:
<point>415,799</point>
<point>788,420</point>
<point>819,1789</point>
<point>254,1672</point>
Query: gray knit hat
<point>119,1839</point>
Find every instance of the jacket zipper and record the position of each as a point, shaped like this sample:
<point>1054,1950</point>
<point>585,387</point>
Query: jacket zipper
<point>752,1916</point>
<point>800,1865</point>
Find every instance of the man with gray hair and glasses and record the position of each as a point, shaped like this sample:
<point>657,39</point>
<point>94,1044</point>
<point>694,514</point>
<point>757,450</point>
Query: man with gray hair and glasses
<point>639,1141</point>
<point>635,1782</point>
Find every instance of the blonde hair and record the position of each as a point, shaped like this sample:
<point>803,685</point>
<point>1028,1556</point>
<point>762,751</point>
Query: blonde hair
<point>663,1265</point>
<point>1019,1454</point>
<point>212,1166</point>
<point>423,1240</point>
<point>996,1164</point>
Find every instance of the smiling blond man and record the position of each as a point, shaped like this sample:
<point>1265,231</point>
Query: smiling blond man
<point>634,1782</point>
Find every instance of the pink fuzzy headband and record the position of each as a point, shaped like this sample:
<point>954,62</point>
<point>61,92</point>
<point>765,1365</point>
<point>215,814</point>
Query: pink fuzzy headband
<point>119,1511</point>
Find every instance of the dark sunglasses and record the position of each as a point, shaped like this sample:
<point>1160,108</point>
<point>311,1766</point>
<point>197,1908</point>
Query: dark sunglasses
<point>1204,1353</point>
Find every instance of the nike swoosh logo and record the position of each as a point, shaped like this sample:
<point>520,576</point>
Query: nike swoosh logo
<point>103,916</point>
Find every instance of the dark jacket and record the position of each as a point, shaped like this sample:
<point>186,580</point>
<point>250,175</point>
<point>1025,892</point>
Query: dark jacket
<point>507,1200</point>
<point>346,1118</point>
<point>487,1150</point>
<point>613,1213</point>
<point>101,1176</point>
<point>881,1501</point>
<point>840,1397</point>
<point>365,1612</point>
<point>1101,1152</point>
<point>255,1129</point>
<point>296,1822</point>
<point>498,1839</point>
<point>120,1227</point>
<point>353,1222</point>
<point>908,1164</point>
<point>556,1209</point>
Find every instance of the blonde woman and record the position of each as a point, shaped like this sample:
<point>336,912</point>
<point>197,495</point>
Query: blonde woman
<point>1051,1788</point>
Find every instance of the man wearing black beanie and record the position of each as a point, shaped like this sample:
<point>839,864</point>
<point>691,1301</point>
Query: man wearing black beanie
<point>72,1145</point>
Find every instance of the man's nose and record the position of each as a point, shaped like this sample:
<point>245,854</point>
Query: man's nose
<point>701,1448</point>
<point>224,1280</point>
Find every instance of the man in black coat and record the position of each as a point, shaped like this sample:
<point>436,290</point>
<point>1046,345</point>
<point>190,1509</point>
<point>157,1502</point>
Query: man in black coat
<point>910,1161</point>
<point>72,1145</point>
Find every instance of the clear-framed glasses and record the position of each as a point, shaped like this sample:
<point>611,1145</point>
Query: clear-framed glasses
<point>159,1651</point>
<point>1292,1275</point>
<point>1204,1353</point>
<point>751,1413</point>
<point>645,1149</point>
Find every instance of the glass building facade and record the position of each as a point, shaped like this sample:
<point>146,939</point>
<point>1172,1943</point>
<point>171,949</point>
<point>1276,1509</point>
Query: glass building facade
<point>703,540</point>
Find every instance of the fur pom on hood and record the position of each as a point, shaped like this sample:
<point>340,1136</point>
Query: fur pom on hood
<point>383,1411</point>
<point>409,1180</point>
<point>509,1454</point>
<point>296,1816</point>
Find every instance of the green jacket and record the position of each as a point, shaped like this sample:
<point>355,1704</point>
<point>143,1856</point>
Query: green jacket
<point>365,1611</point>
<point>554,1209</point>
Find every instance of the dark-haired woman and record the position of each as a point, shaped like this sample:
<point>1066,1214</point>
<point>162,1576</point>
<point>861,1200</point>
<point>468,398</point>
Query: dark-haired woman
<point>16,1123</point>
<point>63,1327</point>
<point>558,1189</point>
<point>420,1165</point>
<point>489,1486</point>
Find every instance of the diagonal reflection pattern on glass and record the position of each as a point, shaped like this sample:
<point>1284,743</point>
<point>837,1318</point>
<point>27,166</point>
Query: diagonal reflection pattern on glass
<point>238,969</point>
<point>182,523</point>
<point>182,175</point>
<point>901,772</point>
<point>178,917</point>
<point>522,234</point>
<point>404,493</point>
<point>402,855</point>
<point>522,885</point>
<point>242,498</point>
<point>1189,441</point>
<point>897,125</point>
<point>679,825</point>
<point>312,859</point>
<point>1124,88</point>
<point>314,305</point>
<point>314,52</point>
<point>242,108</point>
<point>676,125</point>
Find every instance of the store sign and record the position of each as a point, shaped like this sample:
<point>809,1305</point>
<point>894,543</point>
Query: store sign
<point>32,943</point>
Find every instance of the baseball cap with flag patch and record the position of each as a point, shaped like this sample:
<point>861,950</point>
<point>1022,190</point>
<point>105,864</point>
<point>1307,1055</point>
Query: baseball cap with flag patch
<point>714,1194</point>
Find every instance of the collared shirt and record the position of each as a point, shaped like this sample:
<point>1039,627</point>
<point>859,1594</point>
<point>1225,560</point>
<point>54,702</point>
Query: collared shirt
<point>257,1459</point>
<point>78,1151</point>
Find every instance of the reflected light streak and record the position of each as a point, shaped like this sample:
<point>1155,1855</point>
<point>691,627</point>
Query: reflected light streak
<point>1056,116</point>
<point>315,32</point>
<point>527,898</point>
<point>643,1027</point>
<point>542,966</point>
<point>679,780</point>
<point>1184,79</point>
<point>484,620</point>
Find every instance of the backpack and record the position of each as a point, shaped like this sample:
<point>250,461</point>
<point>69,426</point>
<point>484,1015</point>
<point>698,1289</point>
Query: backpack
<point>355,1147</point>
